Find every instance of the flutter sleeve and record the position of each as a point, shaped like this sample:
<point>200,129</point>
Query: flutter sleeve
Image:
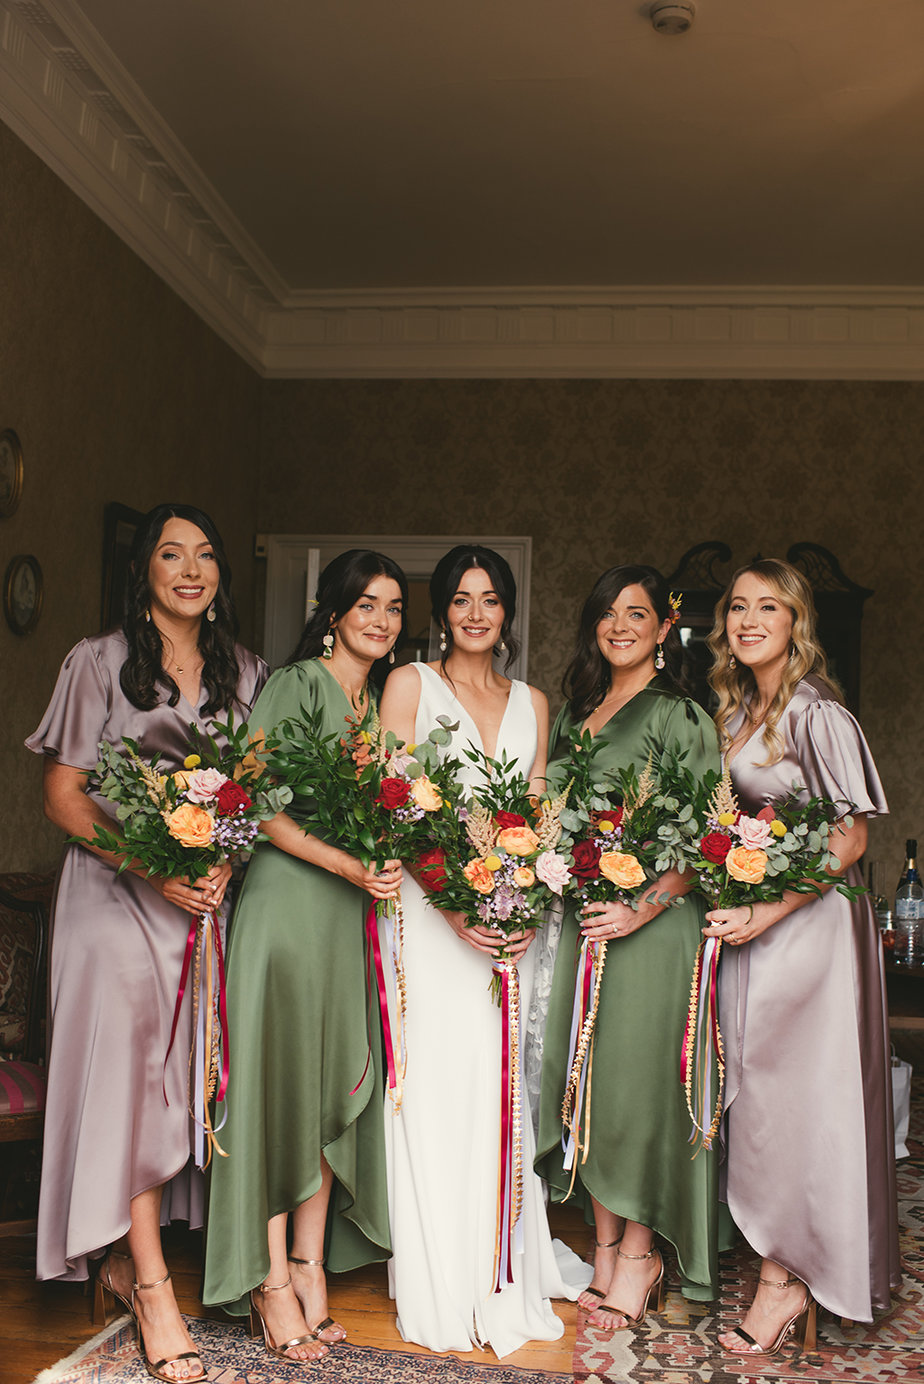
<point>73,724</point>
<point>836,761</point>
<point>691,732</point>
<point>289,693</point>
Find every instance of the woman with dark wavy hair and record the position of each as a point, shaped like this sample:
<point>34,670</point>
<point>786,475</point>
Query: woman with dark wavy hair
<point>117,1157</point>
<point>304,1179</point>
<point>637,1179</point>
<point>810,1172</point>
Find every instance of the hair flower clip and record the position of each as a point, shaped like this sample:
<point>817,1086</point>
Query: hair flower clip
<point>675,603</point>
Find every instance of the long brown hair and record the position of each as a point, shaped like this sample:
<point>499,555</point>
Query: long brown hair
<point>735,685</point>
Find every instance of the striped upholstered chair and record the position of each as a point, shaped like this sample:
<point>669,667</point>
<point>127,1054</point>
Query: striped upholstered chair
<point>24,908</point>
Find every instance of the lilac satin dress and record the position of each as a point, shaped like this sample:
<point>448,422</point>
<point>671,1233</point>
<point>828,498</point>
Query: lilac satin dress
<point>116,957</point>
<point>810,1171</point>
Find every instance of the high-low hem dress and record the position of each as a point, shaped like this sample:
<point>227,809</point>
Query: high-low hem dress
<point>810,1171</point>
<point>443,1145</point>
<point>639,1164</point>
<point>305,1053</point>
<point>116,957</point>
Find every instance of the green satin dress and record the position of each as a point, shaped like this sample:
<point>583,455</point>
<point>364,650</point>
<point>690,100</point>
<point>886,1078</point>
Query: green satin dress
<point>639,1164</point>
<point>303,1078</point>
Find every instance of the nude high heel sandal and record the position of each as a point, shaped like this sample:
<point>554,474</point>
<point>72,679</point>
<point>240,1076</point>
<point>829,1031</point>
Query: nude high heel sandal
<point>328,1322</point>
<point>256,1316</point>
<point>802,1326</point>
<point>657,1287</point>
<point>105,1290</point>
<point>599,1244</point>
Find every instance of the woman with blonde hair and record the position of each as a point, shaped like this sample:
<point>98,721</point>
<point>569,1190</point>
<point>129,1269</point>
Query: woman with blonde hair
<point>809,1176</point>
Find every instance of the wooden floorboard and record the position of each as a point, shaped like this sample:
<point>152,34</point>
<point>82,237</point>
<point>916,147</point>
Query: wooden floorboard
<point>42,1322</point>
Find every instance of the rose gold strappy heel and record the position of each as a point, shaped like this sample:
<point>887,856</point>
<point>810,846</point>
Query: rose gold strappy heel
<point>328,1322</point>
<point>657,1287</point>
<point>801,1326</point>
<point>256,1316</point>
<point>154,1368</point>
<point>595,1292</point>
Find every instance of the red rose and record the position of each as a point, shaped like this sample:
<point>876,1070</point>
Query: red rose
<point>766,814</point>
<point>585,861</point>
<point>715,846</point>
<point>509,819</point>
<point>394,792</point>
<point>231,798</point>
<point>431,866</point>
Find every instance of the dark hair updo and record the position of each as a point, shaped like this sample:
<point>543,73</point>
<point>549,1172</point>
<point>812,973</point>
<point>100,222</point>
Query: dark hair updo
<point>143,669</point>
<point>340,586</point>
<point>444,583</point>
<point>587,677</point>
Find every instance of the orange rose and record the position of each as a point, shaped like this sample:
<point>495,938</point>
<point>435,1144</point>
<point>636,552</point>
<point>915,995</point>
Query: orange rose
<point>523,877</point>
<point>425,794</point>
<point>518,841</point>
<point>190,824</point>
<point>621,869</point>
<point>747,866</point>
<point>479,876</point>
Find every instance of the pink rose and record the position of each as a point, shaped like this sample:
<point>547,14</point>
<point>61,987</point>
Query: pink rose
<point>204,784</point>
<point>752,832</point>
<point>553,871</point>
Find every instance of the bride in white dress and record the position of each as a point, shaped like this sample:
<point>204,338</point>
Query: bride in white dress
<point>443,1145</point>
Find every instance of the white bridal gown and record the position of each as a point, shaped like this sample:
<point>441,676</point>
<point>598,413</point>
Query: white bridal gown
<point>443,1146</point>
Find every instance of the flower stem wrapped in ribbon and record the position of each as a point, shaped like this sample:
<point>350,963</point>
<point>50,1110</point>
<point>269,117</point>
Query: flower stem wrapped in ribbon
<point>616,853</point>
<point>501,870</point>
<point>180,825</point>
<point>378,799</point>
<point>741,860</point>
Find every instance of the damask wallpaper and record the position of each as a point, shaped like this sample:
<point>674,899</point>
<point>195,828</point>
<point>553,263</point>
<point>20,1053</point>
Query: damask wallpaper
<point>601,471</point>
<point>119,392</point>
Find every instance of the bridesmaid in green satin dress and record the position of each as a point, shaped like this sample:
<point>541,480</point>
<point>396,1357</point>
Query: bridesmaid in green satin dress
<point>304,1134</point>
<point>638,1179</point>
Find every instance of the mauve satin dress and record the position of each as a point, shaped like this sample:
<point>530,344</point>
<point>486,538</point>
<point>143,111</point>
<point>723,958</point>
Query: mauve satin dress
<point>810,1170</point>
<point>116,956</point>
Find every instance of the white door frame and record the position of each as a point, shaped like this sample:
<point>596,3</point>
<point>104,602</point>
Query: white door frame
<point>293,561</point>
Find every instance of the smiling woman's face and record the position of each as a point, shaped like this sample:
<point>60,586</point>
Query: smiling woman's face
<point>183,572</point>
<point>758,625</point>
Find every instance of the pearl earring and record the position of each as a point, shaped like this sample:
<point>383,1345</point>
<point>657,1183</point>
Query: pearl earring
<point>442,641</point>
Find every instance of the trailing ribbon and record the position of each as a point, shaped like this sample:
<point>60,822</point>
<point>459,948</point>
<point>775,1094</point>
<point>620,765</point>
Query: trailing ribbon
<point>509,1239</point>
<point>587,982</point>
<point>209,1067</point>
<point>702,1046</point>
<point>395,1046</point>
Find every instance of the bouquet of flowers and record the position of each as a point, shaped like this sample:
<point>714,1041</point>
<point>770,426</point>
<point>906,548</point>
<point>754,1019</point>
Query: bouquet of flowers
<point>181,824</point>
<point>616,828</point>
<point>501,870</point>
<point>378,799</point>
<point>741,860</point>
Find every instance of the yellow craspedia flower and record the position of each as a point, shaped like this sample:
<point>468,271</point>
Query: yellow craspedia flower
<point>727,819</point>
<point>493,862</point>
<point>365,737</point>
<point>192,761</point>
<point>777,827</point>
<point>605,827</point>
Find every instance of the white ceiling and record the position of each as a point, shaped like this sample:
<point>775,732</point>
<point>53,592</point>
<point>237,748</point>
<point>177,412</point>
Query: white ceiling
<point>507,156</point>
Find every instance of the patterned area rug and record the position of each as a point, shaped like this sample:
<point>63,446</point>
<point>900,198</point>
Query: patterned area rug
<point>233,1357</point>
<point>678,1346</point>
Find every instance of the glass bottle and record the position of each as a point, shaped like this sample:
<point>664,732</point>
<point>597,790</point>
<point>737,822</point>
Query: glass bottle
<point>909,914</point>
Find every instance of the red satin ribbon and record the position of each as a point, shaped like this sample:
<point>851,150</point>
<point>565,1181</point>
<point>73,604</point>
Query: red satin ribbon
<point>502,1274</point>
<point>222,1012</point>
<point>184,976</point>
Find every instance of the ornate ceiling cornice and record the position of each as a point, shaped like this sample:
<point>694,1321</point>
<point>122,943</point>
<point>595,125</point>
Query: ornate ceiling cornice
<point>66,95</point>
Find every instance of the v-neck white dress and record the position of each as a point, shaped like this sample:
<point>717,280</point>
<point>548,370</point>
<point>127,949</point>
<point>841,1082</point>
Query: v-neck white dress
<point>443,1145</point>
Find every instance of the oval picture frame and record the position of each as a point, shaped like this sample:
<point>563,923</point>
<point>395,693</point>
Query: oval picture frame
<point>23,593</point>
<point>11,472</point>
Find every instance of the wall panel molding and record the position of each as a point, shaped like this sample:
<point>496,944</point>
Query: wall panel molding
<point>66,96</point>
